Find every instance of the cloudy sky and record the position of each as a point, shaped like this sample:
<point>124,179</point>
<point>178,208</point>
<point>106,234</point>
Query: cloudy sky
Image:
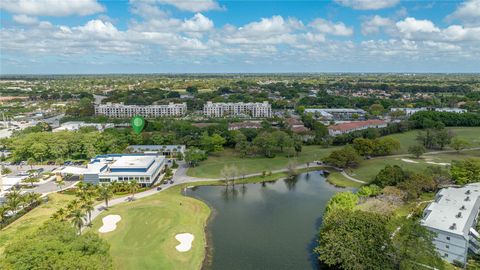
<point>114,36</point>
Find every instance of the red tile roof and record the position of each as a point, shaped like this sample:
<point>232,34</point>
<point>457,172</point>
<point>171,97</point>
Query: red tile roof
<point>357,124</point>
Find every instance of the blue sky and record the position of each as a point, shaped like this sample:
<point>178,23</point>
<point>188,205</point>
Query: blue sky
<point>171,36</point>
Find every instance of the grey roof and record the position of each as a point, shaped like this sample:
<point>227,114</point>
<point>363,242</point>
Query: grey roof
<point>454,209</point>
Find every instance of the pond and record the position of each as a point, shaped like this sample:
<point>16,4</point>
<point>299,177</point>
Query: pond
<point>266,225</point>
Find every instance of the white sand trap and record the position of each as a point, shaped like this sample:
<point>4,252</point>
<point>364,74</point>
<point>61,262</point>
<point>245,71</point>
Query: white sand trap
<point>438,163</point>
<point>109,223</point>
<point>185,240</point>
<point>409,160</point>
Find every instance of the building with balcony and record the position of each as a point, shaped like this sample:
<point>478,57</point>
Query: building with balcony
<point>453,216</point>
<point>239,109</point>
<point>119,110</point>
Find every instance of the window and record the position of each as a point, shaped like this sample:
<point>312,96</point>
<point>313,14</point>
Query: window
<point>447,246</point>
<point>448,237</point>
<point>445,255</point>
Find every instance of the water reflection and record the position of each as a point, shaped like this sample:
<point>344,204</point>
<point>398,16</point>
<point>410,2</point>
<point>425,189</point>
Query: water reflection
<point>266,226</point>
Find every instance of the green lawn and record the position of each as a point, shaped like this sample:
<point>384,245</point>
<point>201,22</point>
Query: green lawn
<point>339,180</point>
<point>33,219</point>
<point>211,167</point>
<point>145,237</point>
<point>369,168</point>
<point>408,139</point>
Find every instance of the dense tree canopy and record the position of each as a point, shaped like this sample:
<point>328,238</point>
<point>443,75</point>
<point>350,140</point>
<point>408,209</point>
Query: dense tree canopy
<point>56,245</point>
<point>466,171</point>
<point>355,240</point>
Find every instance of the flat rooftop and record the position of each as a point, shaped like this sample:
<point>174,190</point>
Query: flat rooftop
<point>457,206</point>
<point>133,162</point>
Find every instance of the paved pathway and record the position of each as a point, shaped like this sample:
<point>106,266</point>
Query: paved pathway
<point>352,179</point>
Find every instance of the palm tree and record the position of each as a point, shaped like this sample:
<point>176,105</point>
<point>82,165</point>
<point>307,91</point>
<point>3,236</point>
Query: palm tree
<point>76,217</point>
<point>31,162</point>
<point>60,214</point>
<point>105,193</point>
<point>88,207</point>
<point>133,186</point>
<point>13,200</point>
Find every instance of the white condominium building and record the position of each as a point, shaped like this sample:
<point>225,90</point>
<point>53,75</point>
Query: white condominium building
<point>256,110</point>
<point>119,110</point>
<point>453,217</point>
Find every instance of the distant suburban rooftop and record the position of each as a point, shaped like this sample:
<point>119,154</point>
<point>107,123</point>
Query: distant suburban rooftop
<point>454,209</point>
<point>335,110</point>
<point>357,124</point>
<point>170,148</point>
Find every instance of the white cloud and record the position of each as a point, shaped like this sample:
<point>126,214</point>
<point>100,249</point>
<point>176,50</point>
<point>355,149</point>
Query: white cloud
<point>186,5</point>
<point>367,4</point>
<point>468,12</point>
<point>411,27</point>
<point>374,24</point>
<point>52,7</point>
<point>24,19</point>
<point>461,33</point>
<point>331,28</point>
<point>198,23</point>
<point>100,29</point>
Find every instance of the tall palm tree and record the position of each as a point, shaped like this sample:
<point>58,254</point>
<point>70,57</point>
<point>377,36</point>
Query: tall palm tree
<point>88,207</point>
<point>133,186</point>
<point>76,217</point>
<point>105,193</point>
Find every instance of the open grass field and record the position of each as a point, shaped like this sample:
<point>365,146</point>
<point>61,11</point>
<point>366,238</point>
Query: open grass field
<point>407,139</point>
<point>339,180</point>
<point>369,168</point>
<point>145,237</point>
<point>211,167</point>
<point>33,219</point>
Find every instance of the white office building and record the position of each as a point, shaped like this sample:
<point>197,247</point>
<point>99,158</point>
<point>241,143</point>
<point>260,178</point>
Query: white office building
<point>119,110</point>
<point>143,168</point>
<point>164,150</point>
<point>76,125</point>
<point>239,109</point>
<point>453,217</point>
<point>408,111</point>
<point>454,110</point>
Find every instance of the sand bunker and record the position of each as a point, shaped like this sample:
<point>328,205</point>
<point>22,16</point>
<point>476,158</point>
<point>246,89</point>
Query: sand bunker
<point>185,240</point>
<point>409,160</point>
<point>109,223</point>
<point>438,163</point>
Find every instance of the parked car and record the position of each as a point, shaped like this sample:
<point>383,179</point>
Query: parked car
<point>159,188</point>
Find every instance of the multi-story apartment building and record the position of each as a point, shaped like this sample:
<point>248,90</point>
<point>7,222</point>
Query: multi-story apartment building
<point>255,110</point>
<point>119,110</point>
<point>453,217</point>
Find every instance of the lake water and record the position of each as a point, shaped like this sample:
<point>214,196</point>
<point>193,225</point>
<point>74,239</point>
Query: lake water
<point>266,225</point>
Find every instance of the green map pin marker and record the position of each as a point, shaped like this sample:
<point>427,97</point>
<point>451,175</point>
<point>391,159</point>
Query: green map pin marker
<point>137,123</point>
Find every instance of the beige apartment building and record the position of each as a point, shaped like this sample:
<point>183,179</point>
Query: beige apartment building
<point>240,109</point>
<point>119,110</point>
